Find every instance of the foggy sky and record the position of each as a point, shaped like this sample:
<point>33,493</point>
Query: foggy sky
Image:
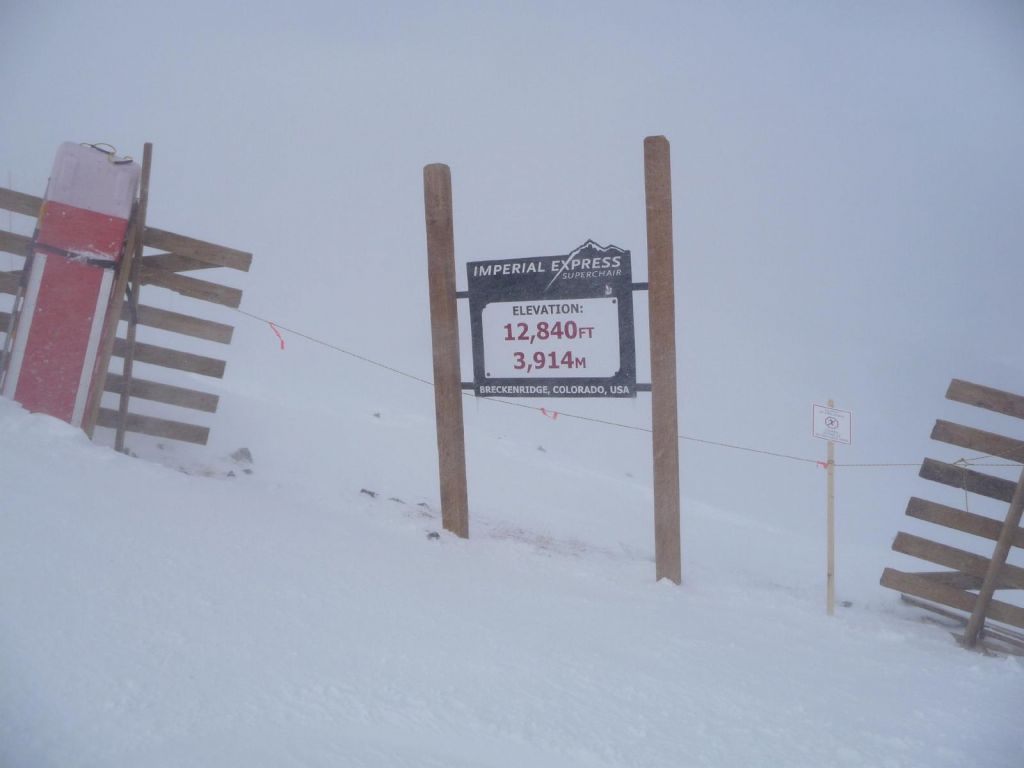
<point>848,182</point>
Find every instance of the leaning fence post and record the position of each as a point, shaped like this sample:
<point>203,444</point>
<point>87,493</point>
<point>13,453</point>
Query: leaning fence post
<point>995,566</point>
<point>136,286</point>
<point>113,317</point>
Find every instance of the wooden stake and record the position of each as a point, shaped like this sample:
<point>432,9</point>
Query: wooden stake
<point>830,579</point>
<point>664,414</point>
<point>133,316</point>
<point>12,322</point>
<point>106,348</point>
<point>995,566</point>
<point>444,332</point>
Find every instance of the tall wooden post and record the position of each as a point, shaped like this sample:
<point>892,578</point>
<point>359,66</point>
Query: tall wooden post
<point>106,348</point>
<point>664,416</point>
<point>830,576</point>
<point>444,332</point>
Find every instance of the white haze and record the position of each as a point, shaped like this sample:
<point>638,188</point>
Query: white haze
<point>848,186</point>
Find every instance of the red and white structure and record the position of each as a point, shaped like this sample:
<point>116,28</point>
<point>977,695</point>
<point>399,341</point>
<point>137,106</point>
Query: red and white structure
<point>77,247</point>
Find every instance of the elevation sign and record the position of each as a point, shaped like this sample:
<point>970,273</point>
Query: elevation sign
<point>554,326</point>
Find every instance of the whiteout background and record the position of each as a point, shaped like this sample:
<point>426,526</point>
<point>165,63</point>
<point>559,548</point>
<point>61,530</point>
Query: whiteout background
<point>847,188</point>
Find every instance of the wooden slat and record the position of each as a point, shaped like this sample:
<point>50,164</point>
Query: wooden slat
<point>154,427</point>
<point>960,580</point>
<point>172,358</point>
<point>200,250</point>
<point>986,397</point>
<point>154,317</point>
<point>165,393</point>
<point>187,325</point>
<point>192,287</point>
<point>991,642</point>
<point>20,245</point>
<point>958,559</point>
<point>1002,633</point>
<point>917,586</point>
<point>953,579</point>
<point>9,282</point>
<point>940,554</point>
<point>1009,640</point>
<point>217,255</point>
<point>173,262</point>
<point>20,202</point>
<point>975,482</point>
<point>988,443</point>
<point>936,609</point>
<point>151,353</point>
<point>14,243</point>
<point>951,517</point>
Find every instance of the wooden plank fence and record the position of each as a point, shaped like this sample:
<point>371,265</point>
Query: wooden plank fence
<point>971,581</point>
<point>177,254</point>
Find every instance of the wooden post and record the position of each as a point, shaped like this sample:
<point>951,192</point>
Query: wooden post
<point>664,414</point>
<point>129,355</point>
<point>133,316</point>
<point>106,348</point>
<point>830,579</point>
<point>995,566</point>
<point>13,320</point>
<point>444,333</point>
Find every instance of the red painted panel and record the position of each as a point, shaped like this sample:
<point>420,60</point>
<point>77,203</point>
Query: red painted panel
<point>67,302</point>
<point>58,337</point>
<point>79,230</point>
<point>66,299</point>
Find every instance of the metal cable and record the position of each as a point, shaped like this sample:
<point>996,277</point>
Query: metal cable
<point>273,323</point>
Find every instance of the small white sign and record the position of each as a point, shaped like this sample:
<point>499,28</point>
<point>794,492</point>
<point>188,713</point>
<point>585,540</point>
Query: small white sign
<point>833,424</point>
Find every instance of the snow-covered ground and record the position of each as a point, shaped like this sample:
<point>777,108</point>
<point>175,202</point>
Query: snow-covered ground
<point>288,618</point>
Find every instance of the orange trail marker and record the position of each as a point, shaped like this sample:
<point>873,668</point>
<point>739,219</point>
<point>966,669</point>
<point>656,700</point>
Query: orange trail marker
<point>276,333</point>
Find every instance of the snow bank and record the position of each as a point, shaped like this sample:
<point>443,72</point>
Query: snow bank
<point>148,617</point>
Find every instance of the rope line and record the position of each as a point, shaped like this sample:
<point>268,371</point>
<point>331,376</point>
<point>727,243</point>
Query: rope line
<point>336,348</point>
<point>973,461</point>
<point>963,464</point>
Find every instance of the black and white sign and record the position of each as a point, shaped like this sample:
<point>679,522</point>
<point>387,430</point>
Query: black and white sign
<point>554,326</point>
<point>833,424</point>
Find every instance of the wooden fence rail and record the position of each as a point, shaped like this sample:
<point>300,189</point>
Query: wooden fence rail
<point>178,254</point>
<point>973,579</point>
<point>959,520</point>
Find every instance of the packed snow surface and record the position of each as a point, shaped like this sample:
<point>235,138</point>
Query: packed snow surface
<point>288,617</point>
